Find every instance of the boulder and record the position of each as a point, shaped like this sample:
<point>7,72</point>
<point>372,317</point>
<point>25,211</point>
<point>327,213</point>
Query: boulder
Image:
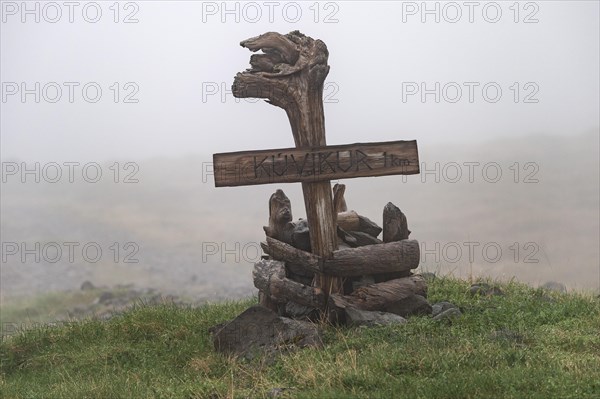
<point>440,307</point>
<point>448,315</point>
<point>302,312</point>
<point>297,234</point>
<point>259,329</point>
<point>413,305</point>
<point>357,317</point>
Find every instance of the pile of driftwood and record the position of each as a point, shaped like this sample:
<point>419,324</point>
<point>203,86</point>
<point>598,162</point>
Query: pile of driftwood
<point>376,273</point>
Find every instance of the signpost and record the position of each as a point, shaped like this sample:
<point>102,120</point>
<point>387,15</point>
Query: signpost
<point>291,165</point>
<point>290,75</point>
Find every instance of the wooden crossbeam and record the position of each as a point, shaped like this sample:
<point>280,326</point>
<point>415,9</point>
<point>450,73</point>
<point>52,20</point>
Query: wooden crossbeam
<point>291,165</point>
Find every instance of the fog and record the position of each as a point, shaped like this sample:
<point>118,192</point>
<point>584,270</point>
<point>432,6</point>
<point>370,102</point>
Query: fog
<point>107,131</point>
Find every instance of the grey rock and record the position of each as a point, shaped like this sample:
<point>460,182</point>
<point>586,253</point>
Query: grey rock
<point>346,238</point>
<point>358,317</point>
<point>448,315</point>
<point>87,286</point>
<point>369,227</point>
<point>555,286</point>
<point>297,234</point>
<point>440,307</point>
<point>410,306</point>
<point>297,311</point>
<point>259,329</point>
<point>362,238</point>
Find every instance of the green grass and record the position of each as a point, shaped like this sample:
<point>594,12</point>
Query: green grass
<point>43,308</point>
<point>166,351</point>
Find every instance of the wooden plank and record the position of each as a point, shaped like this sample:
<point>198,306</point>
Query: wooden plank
<point>314,164</point>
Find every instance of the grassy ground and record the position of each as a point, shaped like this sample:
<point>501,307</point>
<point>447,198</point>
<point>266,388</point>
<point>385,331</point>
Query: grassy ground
<point>43,308</point>
<point>551,351</point>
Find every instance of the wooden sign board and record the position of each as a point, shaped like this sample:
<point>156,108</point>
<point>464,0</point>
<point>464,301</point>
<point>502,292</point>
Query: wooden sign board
<point>315,164</point>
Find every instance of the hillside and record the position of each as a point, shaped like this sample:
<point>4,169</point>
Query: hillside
<point>528,343</point>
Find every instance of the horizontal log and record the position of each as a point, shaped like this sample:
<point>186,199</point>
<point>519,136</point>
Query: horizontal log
<point>379,296</point>
<point>297,260</point>
<point>264,270</point>
<point>285,290</point>
<point>372,259</point>
<point>269,278</point>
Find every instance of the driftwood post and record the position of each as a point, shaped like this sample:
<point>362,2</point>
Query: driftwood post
<point>290,75</point>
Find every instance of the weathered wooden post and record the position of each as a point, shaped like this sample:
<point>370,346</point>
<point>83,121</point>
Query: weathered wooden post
<point>290,74</point>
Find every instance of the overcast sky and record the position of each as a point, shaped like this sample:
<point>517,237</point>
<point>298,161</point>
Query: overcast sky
<point>179,57</point>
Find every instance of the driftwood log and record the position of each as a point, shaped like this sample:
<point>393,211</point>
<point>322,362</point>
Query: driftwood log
<point>348,220</point>
<point>379,296</point>
<point>280,214</point>
<point>269,277</point>
<point>290,75</point>
<point>280,225</point>
<point>352,221</point>
<point>381,258</point>
<point>395,228</point>
<point>339,202</point>
<point>296,260</point>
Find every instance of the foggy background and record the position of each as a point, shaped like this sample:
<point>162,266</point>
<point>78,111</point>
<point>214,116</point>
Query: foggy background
<point>513,167</point>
